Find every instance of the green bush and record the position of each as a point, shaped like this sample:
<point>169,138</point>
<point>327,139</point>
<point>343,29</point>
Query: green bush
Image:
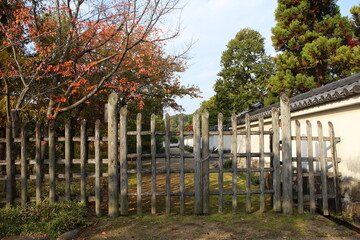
<point>189,149</point>
<point>228,163</point>
<point>51,219</point>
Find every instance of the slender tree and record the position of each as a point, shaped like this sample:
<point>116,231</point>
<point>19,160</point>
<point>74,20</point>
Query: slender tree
<point>245,67</point>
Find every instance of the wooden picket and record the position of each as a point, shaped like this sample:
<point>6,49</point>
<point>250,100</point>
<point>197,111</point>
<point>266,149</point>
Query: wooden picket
<point>309,173</point>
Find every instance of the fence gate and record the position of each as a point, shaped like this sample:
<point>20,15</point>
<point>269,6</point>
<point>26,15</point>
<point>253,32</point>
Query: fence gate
<point>134,169</point>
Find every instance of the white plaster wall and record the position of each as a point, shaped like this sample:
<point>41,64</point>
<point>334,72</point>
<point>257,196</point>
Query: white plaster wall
<point>214,141</point>
<point>345,117</point>
<point>189,141</point>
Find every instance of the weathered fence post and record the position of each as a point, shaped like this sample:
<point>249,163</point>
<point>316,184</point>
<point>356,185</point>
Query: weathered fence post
<point>248,162</point>
<point>286,154</point>
<point>24,164</point>
<point>113,175</point>
<point>98,163</point>
<point>3,153</point>
<point>182,164</point>
<point>68,160</point>
<point>205,159</point>
<point>38,161</point>
<point>276,160</point>
<point>335,167</point>
<point>52,162</point>
<point>167,165</point>
<point>262,163</point>
<point>153,164</point>
<point>138,164</point>
<point>123,162</point>
<point>221,162</point>
<point>299,169</point>
<point>83,159</point>
<point>197,164</point>
<point>234,161</point>
<point>10,166</point>
<point>323,167</point>
<point>311,167</point>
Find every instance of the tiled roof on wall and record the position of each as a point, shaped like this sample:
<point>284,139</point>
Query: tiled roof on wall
<point>332,92</point>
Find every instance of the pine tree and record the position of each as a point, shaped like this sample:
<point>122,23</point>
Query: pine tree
<point>315,44</point>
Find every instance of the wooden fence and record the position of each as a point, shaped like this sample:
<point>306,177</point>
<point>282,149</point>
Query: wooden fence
<point>112,178</point>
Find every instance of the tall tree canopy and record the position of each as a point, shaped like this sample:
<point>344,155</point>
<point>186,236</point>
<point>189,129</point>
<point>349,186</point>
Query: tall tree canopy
<point>63,54</point>
<point>316,44</point>
<point>245,67</point>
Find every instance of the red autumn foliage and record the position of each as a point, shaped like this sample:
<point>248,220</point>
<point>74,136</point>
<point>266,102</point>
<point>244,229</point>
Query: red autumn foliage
<point>65,54</point>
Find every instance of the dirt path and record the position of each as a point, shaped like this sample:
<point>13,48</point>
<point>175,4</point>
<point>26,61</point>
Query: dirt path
<point>218,226</point>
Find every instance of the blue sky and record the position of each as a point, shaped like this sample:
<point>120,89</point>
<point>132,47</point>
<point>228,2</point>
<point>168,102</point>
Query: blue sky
<point>210,25</point>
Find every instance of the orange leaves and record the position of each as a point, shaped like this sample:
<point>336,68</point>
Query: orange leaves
<point>59,99</point>
<point>90,65</point>
<point>103,48</point>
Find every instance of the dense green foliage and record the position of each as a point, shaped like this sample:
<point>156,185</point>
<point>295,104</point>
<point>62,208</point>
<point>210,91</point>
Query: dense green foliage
<point>317,45</point>
<point>355,11</point>
<point>213,109</point>
<point>43,219</point>
<point>245,67</point>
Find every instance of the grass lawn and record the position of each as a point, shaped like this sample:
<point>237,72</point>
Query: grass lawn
<point>215,226</point>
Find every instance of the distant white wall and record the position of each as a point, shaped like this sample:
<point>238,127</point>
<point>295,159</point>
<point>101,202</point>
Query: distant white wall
<point>213,142</point>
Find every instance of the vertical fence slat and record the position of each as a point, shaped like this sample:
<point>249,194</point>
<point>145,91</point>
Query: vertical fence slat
<point>24,164</point>
<point>299,169</point>
<point>10,166</point>
<point>324,186</point>
<point>234,161</point>
<point>138,165</point>
<point>205,159</point>
<point>197,166</point>
<point>167,164</point>
<point>153,164</point>
<point>335,167</point>
<point>113,175</point>
<point>98,162</point>
<point>182,164</point>
<point>68,160</point>
<point>52,174</point>
<point>311,166</point>
<point>276,160</point>
<point>262,163</point>
<point>83,159</point>
<point>124,183</point>
<point>38,162</point>
<point>221,160</point>
<point>248,162</point>
<point>286,154</point>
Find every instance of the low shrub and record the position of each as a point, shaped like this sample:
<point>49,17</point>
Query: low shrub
<point>50,219</point>
<point>228,163</point>
<point>189,149</point>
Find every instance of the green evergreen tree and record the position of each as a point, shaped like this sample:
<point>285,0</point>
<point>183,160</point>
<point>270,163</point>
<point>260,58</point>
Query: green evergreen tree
<point>245,67</point>
<point>315,44</point>
<point>213,109</point>
<point>355,12</point>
